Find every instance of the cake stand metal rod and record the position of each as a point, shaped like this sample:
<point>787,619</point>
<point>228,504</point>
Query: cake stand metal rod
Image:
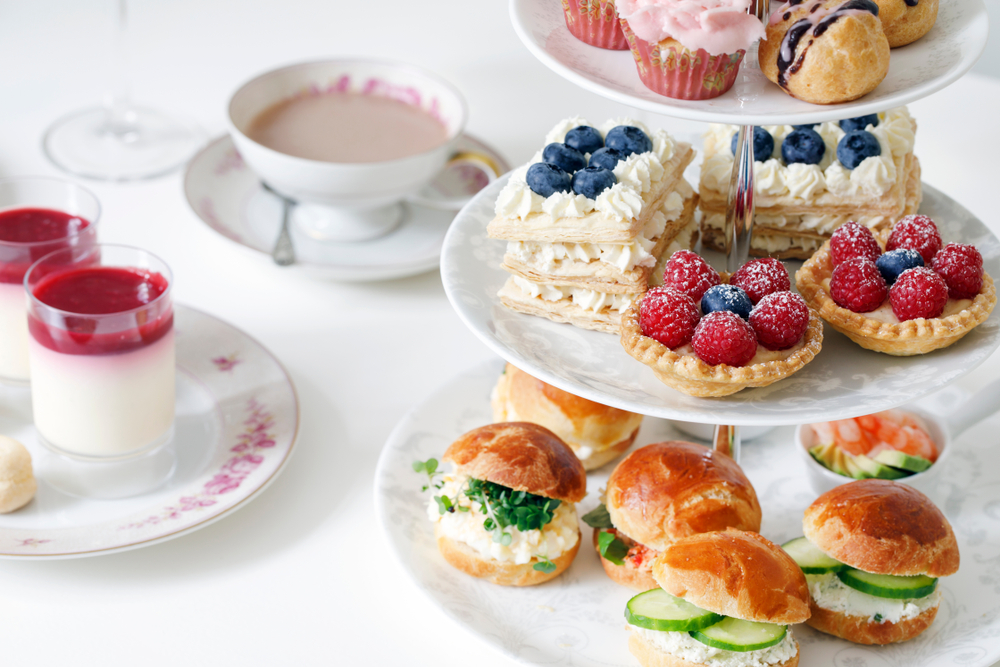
<point>727,441</point>
<point>740,209</point>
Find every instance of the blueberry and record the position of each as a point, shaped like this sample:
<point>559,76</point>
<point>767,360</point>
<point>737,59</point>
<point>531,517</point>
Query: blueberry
<point>562,156</point>
<point>628,140</point>
<point>607,158</point>
<point>894,262</point>
<point>592,181</point>
<point>859,123</point>
<point>726,297</point>
<point>808,126</point>
<point>855,146</point>
<point>546,179</point>
<point>804,146</point>
<point>763,144</point>
<point>584,139</point>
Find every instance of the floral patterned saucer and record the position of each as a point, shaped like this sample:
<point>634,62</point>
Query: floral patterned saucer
<point>237,421</point>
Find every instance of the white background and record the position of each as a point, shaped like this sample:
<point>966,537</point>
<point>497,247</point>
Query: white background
<point>301,575</point>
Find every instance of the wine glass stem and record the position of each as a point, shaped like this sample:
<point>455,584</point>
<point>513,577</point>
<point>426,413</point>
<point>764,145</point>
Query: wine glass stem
<point>120,116</point>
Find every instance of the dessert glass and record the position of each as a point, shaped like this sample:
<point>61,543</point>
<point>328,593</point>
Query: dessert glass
<point>103,373</point>
<point>38,194</point>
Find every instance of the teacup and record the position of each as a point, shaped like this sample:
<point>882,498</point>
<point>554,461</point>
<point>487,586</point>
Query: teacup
<point>347,201</point>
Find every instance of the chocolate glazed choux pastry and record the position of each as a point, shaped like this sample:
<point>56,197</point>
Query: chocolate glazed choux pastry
<point>825,51</point>
<point>906,21</point>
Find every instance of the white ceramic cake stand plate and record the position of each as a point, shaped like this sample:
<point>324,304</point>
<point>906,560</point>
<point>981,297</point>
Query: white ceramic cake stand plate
<point>237,420</point>
<point>577,619</point>
<point>843,380</point>
<point>939,58</point>
<point>228,197</point>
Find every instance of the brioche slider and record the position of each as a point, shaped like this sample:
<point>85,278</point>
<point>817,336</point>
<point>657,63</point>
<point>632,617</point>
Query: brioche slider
<point>597,433</point>
<point>724,598</point>
<point>872,552</point>
<point>506,513</point>
<point>662,492</point>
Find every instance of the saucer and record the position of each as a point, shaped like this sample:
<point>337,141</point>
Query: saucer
<point>223,191</point>
<point>237,421</point>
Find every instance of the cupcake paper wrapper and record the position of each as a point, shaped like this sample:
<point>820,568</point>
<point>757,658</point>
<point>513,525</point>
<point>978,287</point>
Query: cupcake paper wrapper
<point>680,73</point>
<point>595,22</point>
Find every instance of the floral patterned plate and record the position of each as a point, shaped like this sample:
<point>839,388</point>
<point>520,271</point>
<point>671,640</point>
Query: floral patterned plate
<point>939,58</point>
<point>842,381</point>
<point>237,420</point>
<point>230,199</point>
<point>577,619</point>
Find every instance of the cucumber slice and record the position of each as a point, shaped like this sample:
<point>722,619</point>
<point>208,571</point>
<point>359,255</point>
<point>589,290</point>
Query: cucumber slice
<point>887,585</point>
<point>734,634</point>
<point>879,470</point>
<point>902,461</point>
<point>808,557</point>
<point>659,610</point>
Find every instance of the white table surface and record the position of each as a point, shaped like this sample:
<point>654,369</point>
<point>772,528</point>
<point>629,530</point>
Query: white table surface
<point>301,575</point>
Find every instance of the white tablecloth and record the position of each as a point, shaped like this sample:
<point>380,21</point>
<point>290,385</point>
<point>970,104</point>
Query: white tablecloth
<point>301,576</point>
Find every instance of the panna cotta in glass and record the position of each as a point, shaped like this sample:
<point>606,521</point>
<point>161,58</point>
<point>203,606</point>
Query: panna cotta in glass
<point>102,352</point>
<point>37,216</point>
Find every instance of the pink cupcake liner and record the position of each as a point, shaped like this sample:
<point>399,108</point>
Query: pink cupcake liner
<point>595,22</point>
<point>674,71</point>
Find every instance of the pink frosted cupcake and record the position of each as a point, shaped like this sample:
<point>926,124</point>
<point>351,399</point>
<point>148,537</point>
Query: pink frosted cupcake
<point>595,22</point>
<point>688,49</point>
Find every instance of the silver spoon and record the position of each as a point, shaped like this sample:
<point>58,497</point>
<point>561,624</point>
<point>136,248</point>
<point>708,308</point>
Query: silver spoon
<point>283,253</point>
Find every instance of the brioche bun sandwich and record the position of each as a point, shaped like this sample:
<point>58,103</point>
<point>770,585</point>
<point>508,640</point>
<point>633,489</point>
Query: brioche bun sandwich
<point>872,552</point>
<point>724,598</point>
<point>596,433</point>
<point>506,513</point>
<point>662,492</point>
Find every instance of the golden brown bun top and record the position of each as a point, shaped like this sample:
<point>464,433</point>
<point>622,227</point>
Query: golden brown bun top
<point>668,490</point>
<point>735,573</point>
<point>578,421</point>
<point>522,456</point>
<point>882,527</point>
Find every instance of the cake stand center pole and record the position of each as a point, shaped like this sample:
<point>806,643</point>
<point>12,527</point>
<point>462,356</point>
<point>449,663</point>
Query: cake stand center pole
<point>740,209</point>
<point>727,441</point>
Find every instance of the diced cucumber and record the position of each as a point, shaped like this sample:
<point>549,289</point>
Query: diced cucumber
<point>734,634</point>
<point>887,585</point>
<point>808,557</point>
<point>879,470</point>
<point>891,457</point>
<point>659,610</point>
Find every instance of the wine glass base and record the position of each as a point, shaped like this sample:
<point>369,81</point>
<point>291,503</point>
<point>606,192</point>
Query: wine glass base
<point>83,144</point>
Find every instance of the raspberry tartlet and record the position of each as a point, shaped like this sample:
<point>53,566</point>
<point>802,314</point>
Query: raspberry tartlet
<point>706,334</point>
<point>916,297</point>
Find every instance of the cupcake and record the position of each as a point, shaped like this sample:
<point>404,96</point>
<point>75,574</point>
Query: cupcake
<point>595,22</point>
<point>688,50</point>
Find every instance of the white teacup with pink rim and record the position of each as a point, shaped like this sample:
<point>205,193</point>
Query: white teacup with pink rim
<point>348,140</point>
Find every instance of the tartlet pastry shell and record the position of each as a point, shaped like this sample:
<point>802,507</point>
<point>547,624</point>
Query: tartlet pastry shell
<point>904,339</point>
<point>692,376</point>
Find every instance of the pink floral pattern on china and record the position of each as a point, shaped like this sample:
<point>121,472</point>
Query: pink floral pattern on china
<point>227,364</point>
<point>380,87</point>
<point>249,451</point>
<point>231,161</point>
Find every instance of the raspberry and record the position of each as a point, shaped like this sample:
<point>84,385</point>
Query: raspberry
<point>687,272</point>
<point>668,316</point>
<point>961,266</point>
<point>852,240</point>
<point>723,337</point>
<point>918,292</point>
<point>858,285</point>
<point>917,232</point>
<point>760,277</point>
<point>779,320</point>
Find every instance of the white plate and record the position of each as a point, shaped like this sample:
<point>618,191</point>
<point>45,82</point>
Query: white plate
<point>577,619</point>
<point>237,420</point>
<point>843,380</point>
<point>939,58</point>
<point>229,198</point>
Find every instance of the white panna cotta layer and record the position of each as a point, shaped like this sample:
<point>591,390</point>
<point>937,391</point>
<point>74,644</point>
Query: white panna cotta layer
<point>684,646</point>
<point>13,332</point>
<point>829,592</point>
<point>555,537</point>
<point>103,404</point>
